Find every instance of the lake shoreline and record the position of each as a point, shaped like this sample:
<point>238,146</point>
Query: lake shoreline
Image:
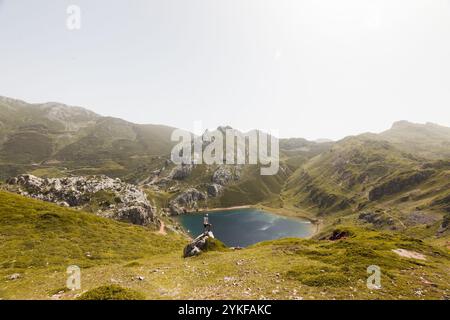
<point>221,209</point>
<point>318,224</point>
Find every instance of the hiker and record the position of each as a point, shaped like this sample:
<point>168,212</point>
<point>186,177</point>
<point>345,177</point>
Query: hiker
<point>206,224</point>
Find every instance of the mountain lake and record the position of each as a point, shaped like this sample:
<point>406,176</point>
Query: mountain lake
<point>244,227</point>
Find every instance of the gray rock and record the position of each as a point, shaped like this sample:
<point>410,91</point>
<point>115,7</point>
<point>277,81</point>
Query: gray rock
<point>226,174</point>
<point>181,172</point>
<point>378,219</point>
<point>15,276</point>
<point>189,197</point>
<point>214,189</point>
<point>136,214</point>
<point>175,209</point>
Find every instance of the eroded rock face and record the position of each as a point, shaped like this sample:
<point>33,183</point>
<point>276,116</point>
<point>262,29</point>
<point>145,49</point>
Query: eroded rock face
<point>214,189</point>
<point>181,172</point>
<point>399,184</point>
<point>175,209</point>
<point>114,198</point>
<point>378,219</point>
<point>225,175</point>
<point>445,225</point>
<point>189,197</point>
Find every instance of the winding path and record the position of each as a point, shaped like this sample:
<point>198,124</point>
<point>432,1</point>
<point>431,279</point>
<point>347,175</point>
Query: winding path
<point>162,228</point>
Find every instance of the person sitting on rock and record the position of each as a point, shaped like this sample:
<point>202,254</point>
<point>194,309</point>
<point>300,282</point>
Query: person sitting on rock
<point>206,224</point>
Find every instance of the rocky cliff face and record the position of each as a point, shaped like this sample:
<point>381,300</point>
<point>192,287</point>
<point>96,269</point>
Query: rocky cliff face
<point>181,172</point>
<point>225,174</point>
<point>399,184</point>
<point>214,189</point>
<point>111,198</point>
<point>188,199</point>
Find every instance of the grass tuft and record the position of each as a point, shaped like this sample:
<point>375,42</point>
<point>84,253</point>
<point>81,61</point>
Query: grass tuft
<point>111,292</point>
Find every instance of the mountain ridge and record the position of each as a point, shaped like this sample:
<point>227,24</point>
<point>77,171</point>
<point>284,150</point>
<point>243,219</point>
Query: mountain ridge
<point>402,168</point>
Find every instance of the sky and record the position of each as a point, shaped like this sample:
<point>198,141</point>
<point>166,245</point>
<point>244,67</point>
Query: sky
<point>305,68</point>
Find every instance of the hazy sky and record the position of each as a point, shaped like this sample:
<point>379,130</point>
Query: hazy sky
<point>313,69</point>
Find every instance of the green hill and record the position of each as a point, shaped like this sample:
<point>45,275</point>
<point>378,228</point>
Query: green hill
<point>37,234</point>
<point>362,180</point>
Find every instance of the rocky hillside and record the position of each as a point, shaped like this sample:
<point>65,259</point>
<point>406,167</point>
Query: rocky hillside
<point>376,182</point>
<point>104,196</point>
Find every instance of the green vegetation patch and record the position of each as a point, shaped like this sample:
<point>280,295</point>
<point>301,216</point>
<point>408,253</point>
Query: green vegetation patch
<point>345,261</point>
<point>319,277</point>
<point>111,292</point>
<point>37,234</point>
<point>215,245</point>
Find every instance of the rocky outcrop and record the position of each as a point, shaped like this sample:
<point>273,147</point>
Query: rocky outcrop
<point>181,172</point>
<point>399,184</point>
<point>444,203</point>
<point>377,219</point>
<point>189,197</point>
<point>175,209</point>
<point>322,199</point>
<point>214,189</point>
<point>198,245</point>
<point>336,234</point>
<point>186,201</point>
<point>225,175</point>
<point>445,225</point>
<point>113,198</point>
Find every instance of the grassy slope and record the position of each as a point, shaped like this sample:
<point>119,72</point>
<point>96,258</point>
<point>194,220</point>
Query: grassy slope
<point>40,240</point>
<point>44,237</point>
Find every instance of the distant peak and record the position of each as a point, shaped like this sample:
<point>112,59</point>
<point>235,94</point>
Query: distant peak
<point>323,140</point>
<point>401,123</point>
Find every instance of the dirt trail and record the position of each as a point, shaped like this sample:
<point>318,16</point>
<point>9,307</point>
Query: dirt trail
<point>162,228</point>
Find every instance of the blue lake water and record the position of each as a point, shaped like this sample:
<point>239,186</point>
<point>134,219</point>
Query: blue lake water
<point>244,227</point>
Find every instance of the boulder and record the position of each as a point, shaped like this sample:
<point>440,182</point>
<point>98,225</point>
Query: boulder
<point>14,276</point>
